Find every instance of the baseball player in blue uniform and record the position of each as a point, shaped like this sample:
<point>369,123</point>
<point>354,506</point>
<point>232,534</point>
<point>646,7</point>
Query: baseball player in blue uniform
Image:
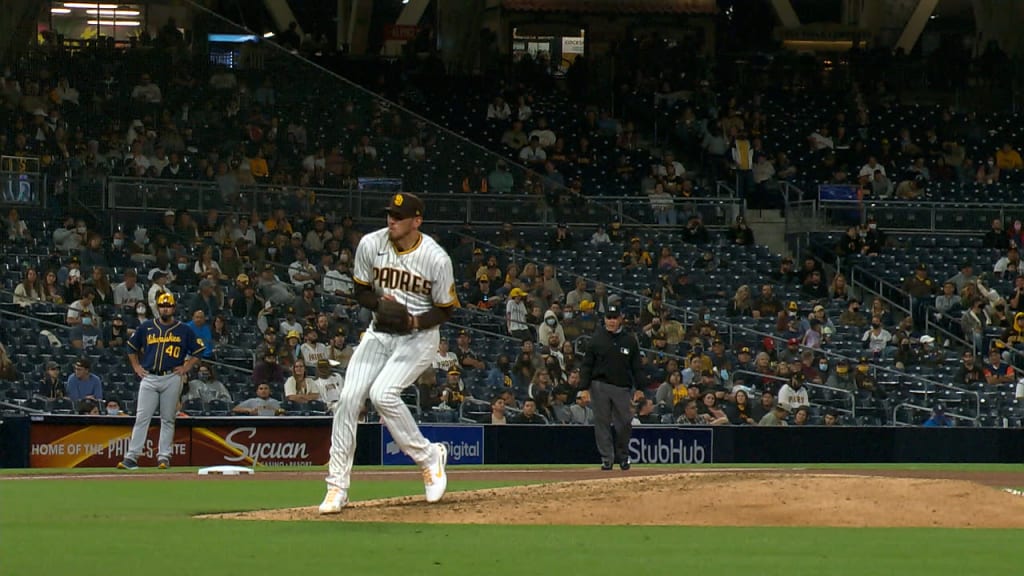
<point>161,352</point>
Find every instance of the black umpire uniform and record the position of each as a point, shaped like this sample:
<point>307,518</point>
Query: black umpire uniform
<point>611,370</point>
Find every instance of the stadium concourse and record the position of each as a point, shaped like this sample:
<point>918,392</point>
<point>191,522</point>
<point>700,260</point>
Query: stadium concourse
<point>244,192</point>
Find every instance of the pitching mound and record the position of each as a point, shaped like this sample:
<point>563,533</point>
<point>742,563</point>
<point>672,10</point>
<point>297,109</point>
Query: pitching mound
<point>702,499</point>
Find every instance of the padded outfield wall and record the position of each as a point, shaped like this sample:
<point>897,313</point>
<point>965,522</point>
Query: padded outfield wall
<point>99,441</point>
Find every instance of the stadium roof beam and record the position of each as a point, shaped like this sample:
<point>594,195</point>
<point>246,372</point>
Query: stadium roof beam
<point>787,16</point>
<point>918,20</point>
<point>282,14</point>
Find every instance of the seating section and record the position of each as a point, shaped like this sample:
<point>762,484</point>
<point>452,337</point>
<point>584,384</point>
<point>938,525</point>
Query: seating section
<point>292,128</point>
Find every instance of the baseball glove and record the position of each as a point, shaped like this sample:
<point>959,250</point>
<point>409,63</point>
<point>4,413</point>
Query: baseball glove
<point>392,318</point>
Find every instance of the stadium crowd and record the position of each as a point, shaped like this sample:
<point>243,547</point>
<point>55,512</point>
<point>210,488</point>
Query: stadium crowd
<point>284,272</point>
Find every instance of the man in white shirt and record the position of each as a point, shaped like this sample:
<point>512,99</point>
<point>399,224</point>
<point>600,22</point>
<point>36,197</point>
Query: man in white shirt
<point>129,292</point>
<point>302,270</point>
<point>793,395</point>
<point>328,383</point>
<point>338,281</point>
<point>867,171</point>
<point>146,91</point>
<point>669,160</point>
<point>445,359</point>
<point>311,350</point>
<point>545,136</point>
<point>158,288</point>
<point>532,153</point>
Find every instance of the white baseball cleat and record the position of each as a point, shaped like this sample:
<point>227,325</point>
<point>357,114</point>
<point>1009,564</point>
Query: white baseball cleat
<point>334,501</point>
<point>435,480</point>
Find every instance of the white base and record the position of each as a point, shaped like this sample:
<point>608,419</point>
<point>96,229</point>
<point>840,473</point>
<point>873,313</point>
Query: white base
<point>226,470</point>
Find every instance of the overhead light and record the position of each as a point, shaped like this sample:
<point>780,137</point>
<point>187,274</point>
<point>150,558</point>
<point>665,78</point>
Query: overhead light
<point>268,34</point>
<point>114,23</point>
<point>113,12</point>
<point>405,1</point>
<point>92,6</point>
<point>60,10</point>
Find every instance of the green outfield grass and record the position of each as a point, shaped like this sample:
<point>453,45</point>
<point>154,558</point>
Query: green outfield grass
<point>83,527</point>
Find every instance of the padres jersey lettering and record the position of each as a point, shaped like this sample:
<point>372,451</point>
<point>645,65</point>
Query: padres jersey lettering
<point>401,280</point>
<point>419,278</point>
<point>164,348</point>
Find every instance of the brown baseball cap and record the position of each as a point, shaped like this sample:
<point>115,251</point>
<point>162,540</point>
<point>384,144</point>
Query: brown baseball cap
<point>404,205</point>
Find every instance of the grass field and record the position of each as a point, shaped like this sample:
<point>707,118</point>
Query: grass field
<point>82,526</point>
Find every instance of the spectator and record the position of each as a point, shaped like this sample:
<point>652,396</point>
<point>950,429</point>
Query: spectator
<point>30,290</point>
<point>268,371</point>
<point>129,292</point>
<point>299,387</point>
<point>497,415</point>
<point>690,415</point>
<point>1008,159</point>
<point>260,405</point>
<point>8,371</point>
<point>877,339</point>
<point>581,412</point>
<point>205,387</point>
<point>938,419</point>
<point>83,384</point>
<point>528,415</point>
<point>777,417</point>
<point>203,332</point>
<point>792,395</point>
<point>500,180</point>
<point>328,383</point>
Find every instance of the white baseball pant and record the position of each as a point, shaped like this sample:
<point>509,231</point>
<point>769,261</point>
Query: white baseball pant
<point>155,392</point>
<point>381,367</point>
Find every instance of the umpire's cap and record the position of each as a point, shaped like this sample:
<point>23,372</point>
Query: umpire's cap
<point>404,205</point>
<point>165,299</point>
<point>612,311</point>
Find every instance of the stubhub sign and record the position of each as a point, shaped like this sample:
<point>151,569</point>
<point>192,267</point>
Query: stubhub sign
<point>670,445</point>
<point>465,444</point>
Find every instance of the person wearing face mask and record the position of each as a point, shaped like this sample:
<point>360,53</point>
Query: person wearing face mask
<point>874,239</point>
<point>841,377</point>
<point>500,375</point>
<point>113,409</point>
<point>116,334</point>
<point>338,281</point>
<point>877,339</point>
<point>71,237</point>
<point>550,325</point>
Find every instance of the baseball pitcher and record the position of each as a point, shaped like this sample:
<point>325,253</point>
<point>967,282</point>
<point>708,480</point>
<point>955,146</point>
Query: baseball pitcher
<point>406,279</point>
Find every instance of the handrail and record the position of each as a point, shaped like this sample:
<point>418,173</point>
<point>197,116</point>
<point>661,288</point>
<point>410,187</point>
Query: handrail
<point>856,271</point>
<point>930,325</point>
<point>853,403</point>
<point>919,408</point>
<point>853,398</point>
<point>21,408</point>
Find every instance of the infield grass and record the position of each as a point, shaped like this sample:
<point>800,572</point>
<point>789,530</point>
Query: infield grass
<point>108,527</point>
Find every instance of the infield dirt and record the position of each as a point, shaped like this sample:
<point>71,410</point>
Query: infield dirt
<point>734,498</point>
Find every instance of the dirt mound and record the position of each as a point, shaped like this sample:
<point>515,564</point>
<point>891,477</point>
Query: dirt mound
<point>701,499</point>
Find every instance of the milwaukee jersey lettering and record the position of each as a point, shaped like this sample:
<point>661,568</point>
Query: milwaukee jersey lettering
<point>420,277</point>
<point>164,347</point>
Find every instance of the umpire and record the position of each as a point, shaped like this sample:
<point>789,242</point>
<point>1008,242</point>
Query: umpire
<point>611,370</point>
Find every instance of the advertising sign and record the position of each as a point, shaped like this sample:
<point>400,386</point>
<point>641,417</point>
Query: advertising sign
<point>266,446</point>
<point>671,445</point>
<point>465,444</point>
<point>100,446</point>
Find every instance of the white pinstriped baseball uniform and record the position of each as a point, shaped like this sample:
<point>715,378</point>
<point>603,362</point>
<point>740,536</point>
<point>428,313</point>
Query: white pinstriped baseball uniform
<point>385,364</point>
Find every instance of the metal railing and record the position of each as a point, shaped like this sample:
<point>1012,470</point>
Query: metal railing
<point>917,216</point>
<point>142,194</point>
<point>852,411</point>
<point>913,408</point>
